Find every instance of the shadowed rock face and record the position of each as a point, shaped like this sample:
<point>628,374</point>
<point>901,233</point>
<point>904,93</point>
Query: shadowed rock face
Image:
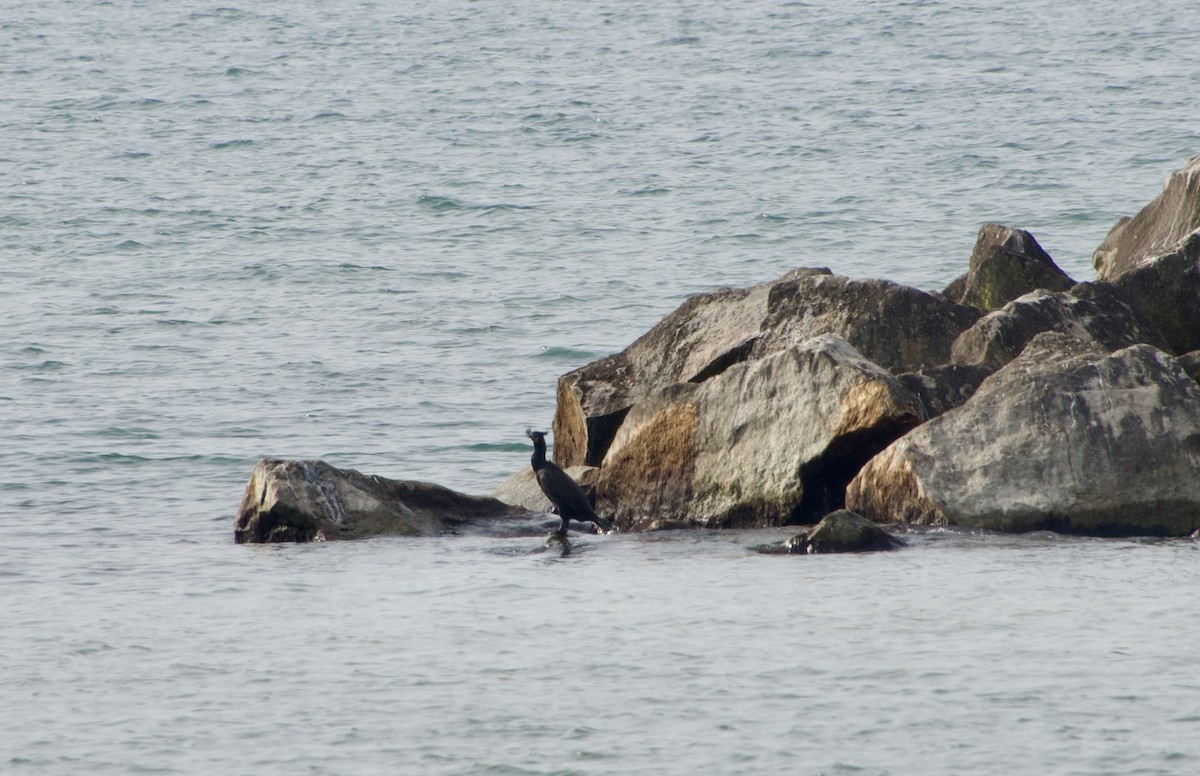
<point>303,501</point>
<point>1157,229</point>
<point>1067,437</point>
<point>1166,290</point>
<point>766,442</point>
<point>1005,264</point>
<point>897,327</point>
<point>1088,310</point>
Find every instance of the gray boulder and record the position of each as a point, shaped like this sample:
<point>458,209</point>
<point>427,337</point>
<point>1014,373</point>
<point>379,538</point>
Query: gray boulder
<point>897,327</point>
<point>1088,310</point>
<point>1191,364</point>
<point>1157,229</point>
<point>303,501</point>
<point>1005,264</point>
<point>843,531</point>
<point>942,388</point>
<point>767,442</point>
<point>704,336</point>
<point>1067,437</point>
<point>1166,290</point>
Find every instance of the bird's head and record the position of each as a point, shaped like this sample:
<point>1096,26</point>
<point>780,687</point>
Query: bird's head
<point>538,437</point>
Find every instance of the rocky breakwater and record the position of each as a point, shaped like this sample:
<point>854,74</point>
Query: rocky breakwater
<point>1015,400</point>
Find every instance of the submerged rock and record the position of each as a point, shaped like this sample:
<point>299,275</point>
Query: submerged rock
<point>843,531</point>
<point>767,442</point>
<point>1067,437</point>
<point>303,501</point>
<point>1005,264</point>
<point>1157,229</point>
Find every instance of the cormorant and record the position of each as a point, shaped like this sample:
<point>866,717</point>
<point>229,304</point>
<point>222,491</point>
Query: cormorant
<point>562,491</point>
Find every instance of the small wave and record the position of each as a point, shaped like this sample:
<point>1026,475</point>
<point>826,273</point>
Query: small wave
<point>230,144</point>
<point>352,267</point>
<point>566,354</point>
<point>438,204</point>
<point>130,245</point>
<point>133,432</point>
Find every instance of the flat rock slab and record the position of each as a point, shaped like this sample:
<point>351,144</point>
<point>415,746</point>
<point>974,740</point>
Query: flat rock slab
<point>303,501</point>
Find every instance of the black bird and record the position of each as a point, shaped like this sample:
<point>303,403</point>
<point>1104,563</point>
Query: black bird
<point>562,491</point>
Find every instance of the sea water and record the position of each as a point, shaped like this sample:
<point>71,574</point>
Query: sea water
<point>375,233</point>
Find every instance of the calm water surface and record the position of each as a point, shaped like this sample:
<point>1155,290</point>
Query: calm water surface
<point>376,233</point>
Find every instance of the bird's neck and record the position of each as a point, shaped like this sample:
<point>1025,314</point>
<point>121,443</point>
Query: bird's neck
<point>539,458</point>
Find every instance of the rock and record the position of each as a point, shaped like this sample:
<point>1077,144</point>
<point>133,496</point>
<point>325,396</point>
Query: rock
<point>1166,290</point>
<point>766,442</point>
<point>1157,229</point>
<point>705,335</point>
<point>302,501</point>
<point>897,327</point>
<point>1066,437</point>
<point>942,388</point>
<point>1088,309</point>
<point>843,531</point>
<point>1191,364</point>
<point>1005,264</point>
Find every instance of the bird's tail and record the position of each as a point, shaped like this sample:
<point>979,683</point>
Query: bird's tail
<point>605,523</point>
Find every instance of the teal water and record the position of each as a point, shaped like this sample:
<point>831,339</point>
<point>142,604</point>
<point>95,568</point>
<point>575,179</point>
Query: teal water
<point>377,233</point>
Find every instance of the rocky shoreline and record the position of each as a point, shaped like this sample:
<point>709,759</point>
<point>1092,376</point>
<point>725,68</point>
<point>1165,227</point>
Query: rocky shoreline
<point>1014,400</point>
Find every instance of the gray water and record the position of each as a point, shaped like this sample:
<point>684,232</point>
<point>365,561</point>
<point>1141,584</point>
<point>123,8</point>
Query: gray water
<point>376,233</point>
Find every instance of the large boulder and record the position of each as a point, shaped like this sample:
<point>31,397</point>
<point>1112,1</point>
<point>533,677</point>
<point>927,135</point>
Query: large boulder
<point>705,335</point>
<point>1006,263</point>
<point>303,501</point>
<point>1156,229</point>
<point>1166,290</point>
<point>767,442</point>
<point>1088,309</point>
<point>897,327</point>
<point>1067,437</point>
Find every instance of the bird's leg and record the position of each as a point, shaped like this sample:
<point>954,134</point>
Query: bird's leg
<point>561,538</point>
